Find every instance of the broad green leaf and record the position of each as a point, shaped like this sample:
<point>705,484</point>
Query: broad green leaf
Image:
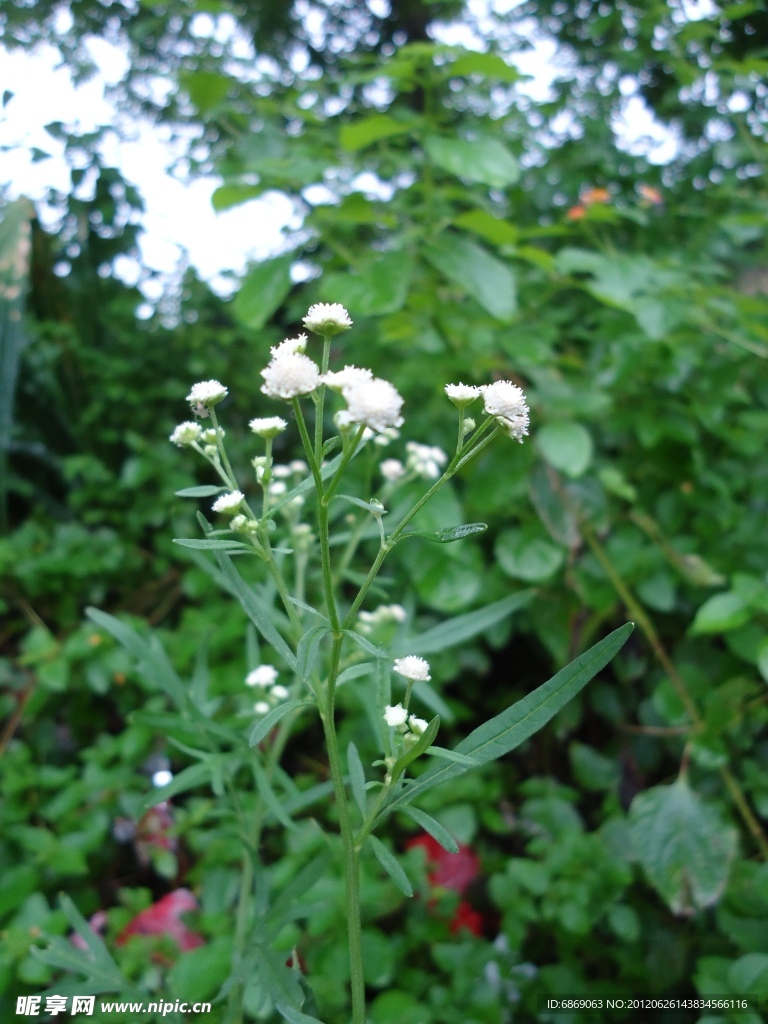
<point>449,533</point>
<point>379,288</point>
<point>308,649</point>
<point>551,507</point>
<point>533,559</point>
<point>749,975</point>
<point>204,491</point>
<point>435,829</point>
<point>233,194</point>
<point>362,133</point>
<point>254,608</point>
<point>462,627</point>
<point>489,281</point>
<point>512,727</point>
<point>152,660</point>
<point>203,544</point>
<point>683,844</point>
<point>489,65</point>
<point>293,1016</point>
<point>492,229</point>
<point>206,89</point>
<point>566,446</point>
<point>270,720</point>
<point>262,291</point>
<point>356,777</point>
<point>720,613</point>
<point>485,160</point>
<point>390,864</point>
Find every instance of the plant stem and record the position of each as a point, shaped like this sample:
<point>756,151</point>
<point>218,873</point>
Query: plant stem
<point>320,402</point>
<point>351,854</point>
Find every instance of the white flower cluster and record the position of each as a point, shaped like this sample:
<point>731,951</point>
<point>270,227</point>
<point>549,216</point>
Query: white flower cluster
<point>413,667</point>
<point>228,504</point>
<point>371,401</point>
<point>397,716</point>
<point>392,470</point>
<point>205,394</point>
<point>462,394</point>
<point>186,433</point>
<point>506,402</point>
<point>327,319</point>
<point>289,374</point>
<point>425,461</point>
<point>367,622</point>
<point>264,677</point>
<point>268,426</point>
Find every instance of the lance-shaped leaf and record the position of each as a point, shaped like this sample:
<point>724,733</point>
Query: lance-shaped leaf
<point>449,533</point>
<point>390,864</point>
<point>512,727</point>
<point>356,777</point>
<point>435,829</point>
<point>294,1016</point>
<point>204,491</point>
<point>203,544</point>
<point>462,627</point>
<point>367,646</point>
<point>270,720</point>
<point>308,649</point>
<point>254,608</point>
<point>416,750</point>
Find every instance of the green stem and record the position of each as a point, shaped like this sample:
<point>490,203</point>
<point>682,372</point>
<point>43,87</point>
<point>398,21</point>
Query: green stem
<point>351,852</point>
<point>346,458</point>
<point>320,402</point>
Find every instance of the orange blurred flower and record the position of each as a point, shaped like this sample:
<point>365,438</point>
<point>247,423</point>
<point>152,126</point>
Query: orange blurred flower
<point>650,194</point>
<point>576,212</point>
<point>595,195</point>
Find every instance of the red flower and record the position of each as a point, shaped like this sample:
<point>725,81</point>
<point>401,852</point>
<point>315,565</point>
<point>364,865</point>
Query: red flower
<point>448,870</point>
<point>467,917</point>
<point>164,918</point>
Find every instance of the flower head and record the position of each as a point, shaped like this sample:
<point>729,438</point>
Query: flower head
<point>280,692</point>
<point>374,403</point>
<point>268,426</point>
<point>205,394</point>
<point>229,503</point>
<point>263,676</point>
<point>327,319</point>
<point>396,715</point>
<point>261,707</point>
<point>392,470</point>
<point>506,401</point>
<point>413,667</point>
<point>417,725</point>
<point>425,461</point>
<point>290,347</point>
<point>289,376</point>
<point>186,433</point>
<point>462,395</point>
<point>345,378</point>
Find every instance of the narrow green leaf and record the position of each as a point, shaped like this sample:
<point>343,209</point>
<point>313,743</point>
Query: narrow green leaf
<point>449,533</point>
<point>355,672</point>
<point>435,829</point>
<point>204,491</point>
<point>356,777</point>
<point>203,544</point>
<point>308,608</point>
<point>366,505</point>
<point>512,727</point>
<point>419,748</point>
<point>453,755</point>
<point>391,866</point>
<point>188,778</point>
<point>152,660</point>
<point>270,720</point>
<point>367,646</point>
<point>462,627</point>
<point>293,1016</point>
<point>254,608</point>
<point>308,649</point>
<point>270,798</point>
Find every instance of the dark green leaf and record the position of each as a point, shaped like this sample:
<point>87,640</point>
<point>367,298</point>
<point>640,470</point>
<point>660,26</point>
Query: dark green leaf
<point>308,649</point>
<point>463,627</point>
<point>270,720</point>
<point>489,281</point>
<point>390,864</point>
<point>262,291</point>
<point>254,608</point>
<point>356,777</point>
<point>435,829</point>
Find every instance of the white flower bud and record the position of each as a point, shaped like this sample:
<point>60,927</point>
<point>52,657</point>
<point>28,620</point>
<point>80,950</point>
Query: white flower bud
<point>261,707</point>
<point>268,426</point>
<point>239,524</point>
<point>424,460</point>
<point>327,319</point>
<point>280,692</point>
<point>413,667</point>
<point>417,725</point>
<point>298,466</point>
<point>290,347</point>
<point>210,450</point>
<point>396,715</point>
<point>392,470</point>
<point>186,433</point>
<point>229,503</point>
<point>211,435</point>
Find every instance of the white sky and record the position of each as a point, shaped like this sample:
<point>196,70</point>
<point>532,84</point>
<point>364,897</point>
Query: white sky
<point>179,216</point>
